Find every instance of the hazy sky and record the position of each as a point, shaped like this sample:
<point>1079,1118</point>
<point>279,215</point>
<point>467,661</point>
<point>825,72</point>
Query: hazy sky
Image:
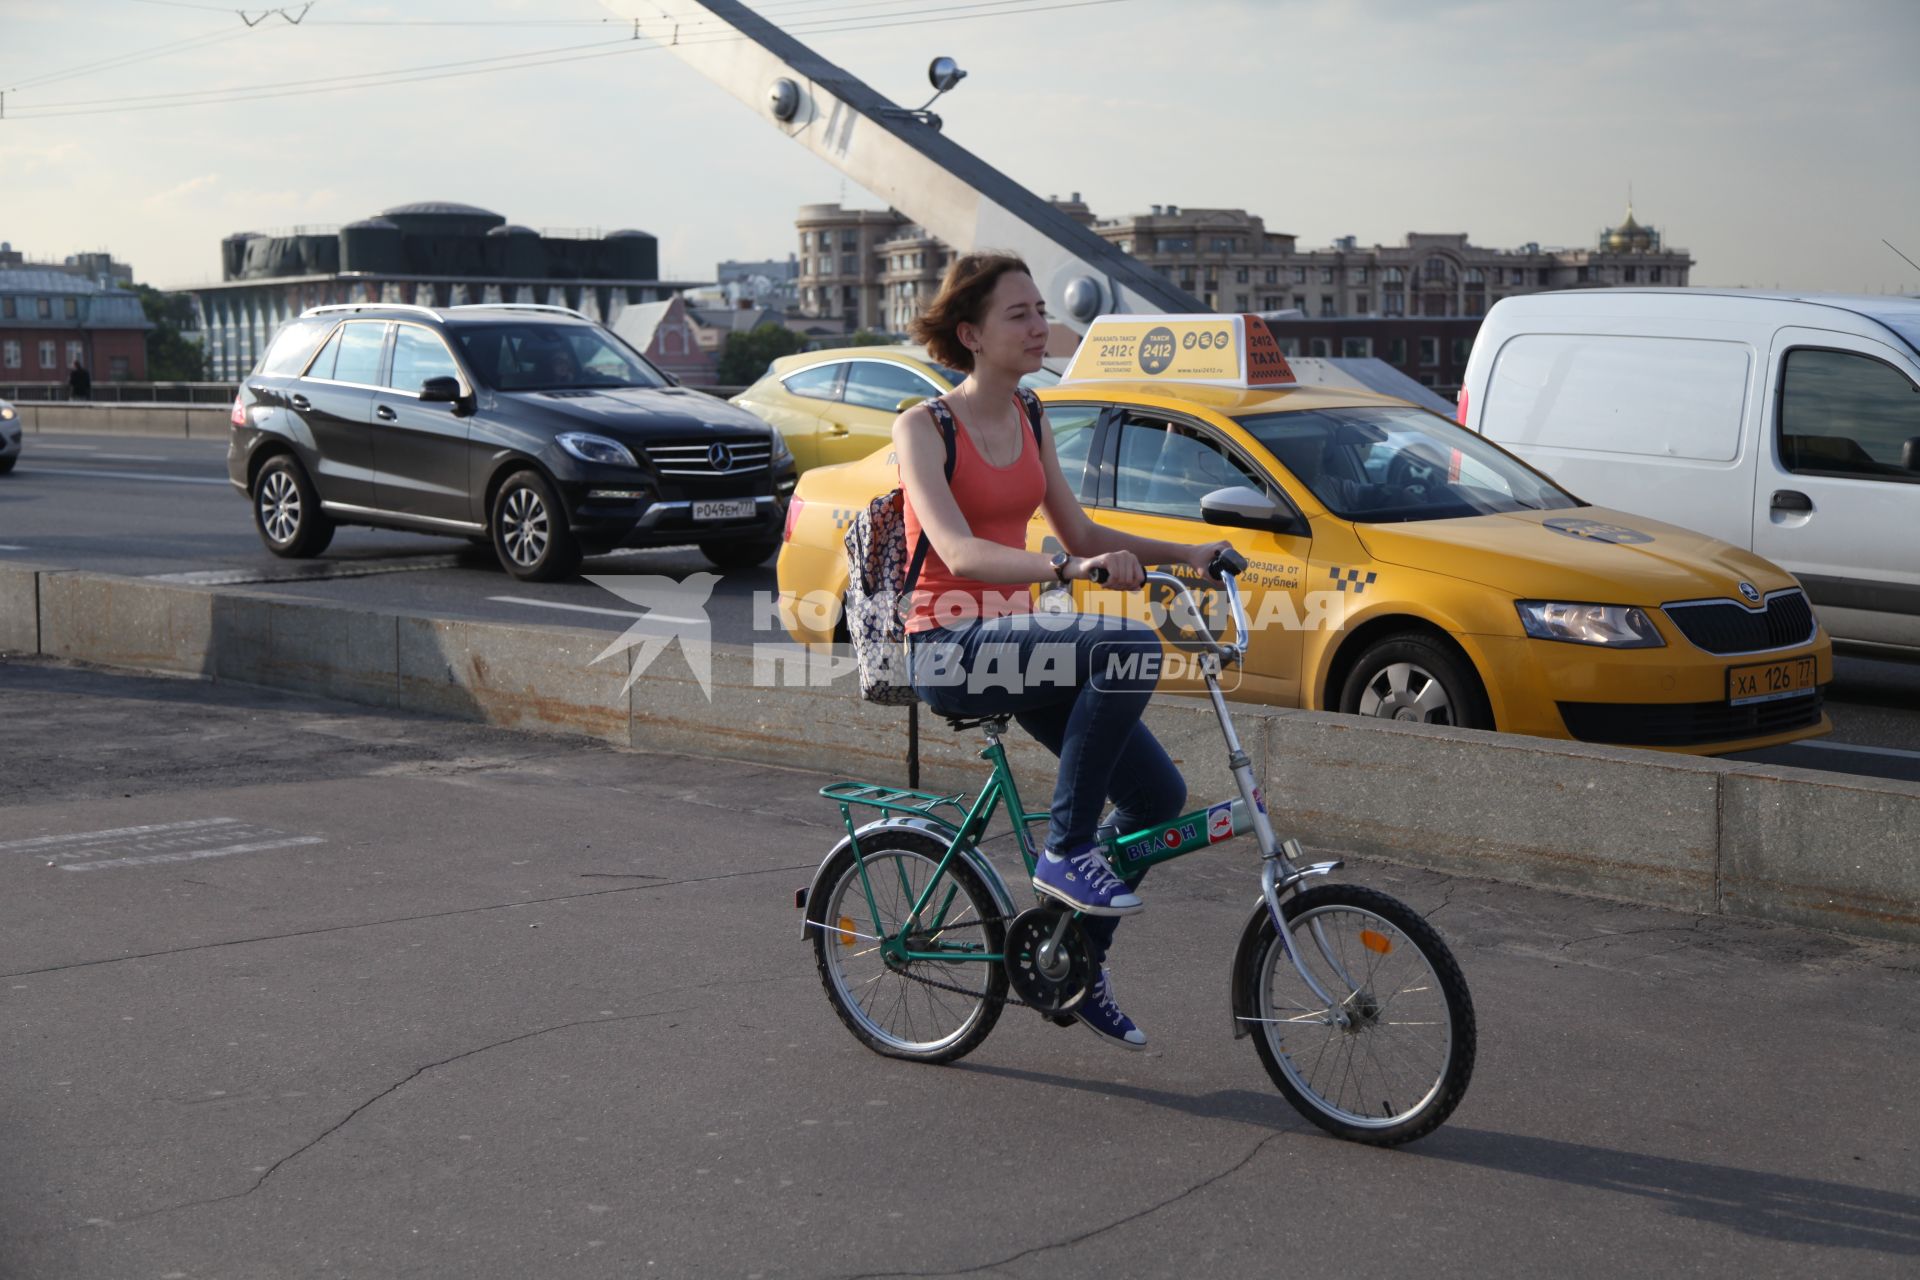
<point>1773,139</point>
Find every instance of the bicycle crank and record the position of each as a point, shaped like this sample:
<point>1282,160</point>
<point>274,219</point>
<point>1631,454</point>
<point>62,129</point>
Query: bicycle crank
<point>1047,959</point>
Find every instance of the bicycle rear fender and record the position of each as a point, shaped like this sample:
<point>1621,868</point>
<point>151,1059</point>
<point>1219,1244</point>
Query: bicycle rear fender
<point>928,828</point>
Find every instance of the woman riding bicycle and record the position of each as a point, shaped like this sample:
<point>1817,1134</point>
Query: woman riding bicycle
<point>1078,683</point>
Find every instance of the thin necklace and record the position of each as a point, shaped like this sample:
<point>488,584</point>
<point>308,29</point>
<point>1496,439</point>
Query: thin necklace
<point>980,443</point>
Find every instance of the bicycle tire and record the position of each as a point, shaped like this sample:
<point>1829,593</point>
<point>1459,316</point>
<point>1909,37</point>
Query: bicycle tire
<point>1330,1073</point>
<point>889,1012</point>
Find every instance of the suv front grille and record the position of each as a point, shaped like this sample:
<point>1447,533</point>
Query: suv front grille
<point>697,458</point>
<point>1721,626</point>
<point>1686,724</point>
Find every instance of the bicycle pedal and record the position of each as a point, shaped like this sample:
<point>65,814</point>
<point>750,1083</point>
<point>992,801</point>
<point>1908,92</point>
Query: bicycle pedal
<point>1061,1019</point>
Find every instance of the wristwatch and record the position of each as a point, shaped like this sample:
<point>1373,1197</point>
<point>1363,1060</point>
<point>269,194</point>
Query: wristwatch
<point>1060,561</point>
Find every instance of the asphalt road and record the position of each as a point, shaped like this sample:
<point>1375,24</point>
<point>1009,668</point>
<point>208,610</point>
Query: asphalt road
<point>163,508</point>
<point>419,998</point>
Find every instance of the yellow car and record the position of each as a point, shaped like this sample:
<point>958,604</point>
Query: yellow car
<point>1400,566</point>
<point>839,405</point>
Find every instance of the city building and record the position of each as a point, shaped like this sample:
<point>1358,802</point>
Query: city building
<point>98,267</point>
<point>1415,304</point>
<point>50,318</point>
<point>772,283</point>
<point>435,254</point>
<point>667,335</point>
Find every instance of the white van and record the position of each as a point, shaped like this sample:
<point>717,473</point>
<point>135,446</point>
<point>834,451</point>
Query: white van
<point>1786,424</point>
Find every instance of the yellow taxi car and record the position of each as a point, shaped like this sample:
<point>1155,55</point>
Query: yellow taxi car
<point>838,405</point>
<point>1399,565</point>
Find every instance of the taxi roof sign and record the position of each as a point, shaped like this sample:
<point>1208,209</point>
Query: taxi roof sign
<point>1216,350</point>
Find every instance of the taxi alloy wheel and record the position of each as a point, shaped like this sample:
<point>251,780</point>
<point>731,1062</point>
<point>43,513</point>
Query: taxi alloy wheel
<point>1411,678</point>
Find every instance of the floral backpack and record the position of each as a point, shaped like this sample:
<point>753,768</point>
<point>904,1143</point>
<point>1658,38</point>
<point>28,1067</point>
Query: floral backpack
<point>881,576</point>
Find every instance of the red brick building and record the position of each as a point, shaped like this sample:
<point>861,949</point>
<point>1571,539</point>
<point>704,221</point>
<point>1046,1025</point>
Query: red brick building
<point>49,319</point>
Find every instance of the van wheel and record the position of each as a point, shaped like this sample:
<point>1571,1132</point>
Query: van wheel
<point>286,510</point>
<point>739,555</point>
<point>1410,677</point>
<point>530,531</point>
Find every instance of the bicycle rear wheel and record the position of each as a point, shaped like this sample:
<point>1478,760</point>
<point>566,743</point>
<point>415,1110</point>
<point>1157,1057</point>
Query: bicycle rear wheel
<point>881,999</point>
<point>1400,1063</point>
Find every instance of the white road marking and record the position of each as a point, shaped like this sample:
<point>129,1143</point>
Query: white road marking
<point>8,546</point>
<point>587,608</point>
<point>67,448</point>
<point>119,475</point>
<point>130,457</point>
<point>1897,752</point>
<point>118,833</point>
<point>189,855</point>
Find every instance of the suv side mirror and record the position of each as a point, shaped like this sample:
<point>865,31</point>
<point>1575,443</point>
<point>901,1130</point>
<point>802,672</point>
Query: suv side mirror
<point>1241,507</point>
<point>442,390</point>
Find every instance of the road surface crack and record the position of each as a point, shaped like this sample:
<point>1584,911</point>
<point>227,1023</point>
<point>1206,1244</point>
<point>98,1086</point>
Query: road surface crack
<point>430,915</point>
<point>1085,1236</point>
<point>387,1092</point>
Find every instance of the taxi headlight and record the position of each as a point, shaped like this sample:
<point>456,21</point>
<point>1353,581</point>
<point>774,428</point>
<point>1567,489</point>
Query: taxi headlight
<point>591,448</point>
<point>1614,626</point>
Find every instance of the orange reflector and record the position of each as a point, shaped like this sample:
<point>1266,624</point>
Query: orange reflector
<point>844,934</point>
<point>1375,941</point>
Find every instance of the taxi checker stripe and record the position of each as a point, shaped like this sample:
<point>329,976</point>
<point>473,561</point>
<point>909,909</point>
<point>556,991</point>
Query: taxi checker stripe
<point>1352,577</point>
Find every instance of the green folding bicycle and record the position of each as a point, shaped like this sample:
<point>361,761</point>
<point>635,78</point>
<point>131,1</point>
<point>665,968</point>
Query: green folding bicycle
<point>1356,1007</point>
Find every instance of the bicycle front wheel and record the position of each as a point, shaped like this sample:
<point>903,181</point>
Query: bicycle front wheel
<point>1385,1056</point>
<point>928,1010</point>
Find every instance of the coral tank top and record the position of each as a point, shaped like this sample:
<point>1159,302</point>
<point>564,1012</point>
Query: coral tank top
<point>997,502</point>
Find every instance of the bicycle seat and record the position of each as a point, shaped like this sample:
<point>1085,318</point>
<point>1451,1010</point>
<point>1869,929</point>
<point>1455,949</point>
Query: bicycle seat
<point>961,724</point>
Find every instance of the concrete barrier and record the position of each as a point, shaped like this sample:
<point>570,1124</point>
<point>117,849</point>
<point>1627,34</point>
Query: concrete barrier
<point>183,421</point>
<point>1707,836</point>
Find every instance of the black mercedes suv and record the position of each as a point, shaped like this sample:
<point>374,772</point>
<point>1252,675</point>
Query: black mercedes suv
<point>528,427</point>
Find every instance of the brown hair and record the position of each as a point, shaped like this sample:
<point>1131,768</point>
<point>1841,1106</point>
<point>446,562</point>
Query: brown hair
<point>962,300</point>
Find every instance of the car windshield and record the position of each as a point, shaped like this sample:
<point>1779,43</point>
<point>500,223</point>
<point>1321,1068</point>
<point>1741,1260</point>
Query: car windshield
<point>1386,464</point>
<point>538,356</point>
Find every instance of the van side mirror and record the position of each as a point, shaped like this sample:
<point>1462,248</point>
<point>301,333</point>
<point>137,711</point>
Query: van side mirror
<point>1910,454</point>
<point>1242,507</point>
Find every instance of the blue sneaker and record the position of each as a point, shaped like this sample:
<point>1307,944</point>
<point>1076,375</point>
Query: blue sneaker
<point>1085,882</point>
<point>1100,1014</point>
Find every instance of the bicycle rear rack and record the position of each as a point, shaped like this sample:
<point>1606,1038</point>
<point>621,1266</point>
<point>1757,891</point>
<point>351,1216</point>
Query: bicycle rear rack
<point>894,799</point>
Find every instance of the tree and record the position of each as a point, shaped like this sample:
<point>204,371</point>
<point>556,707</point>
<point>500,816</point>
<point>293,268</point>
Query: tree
<point>747,355</point>
<point>868,338</point>
<point>171,356</point>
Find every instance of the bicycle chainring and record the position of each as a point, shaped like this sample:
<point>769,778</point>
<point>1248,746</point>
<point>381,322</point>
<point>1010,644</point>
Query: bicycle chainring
<point>1052,980</point>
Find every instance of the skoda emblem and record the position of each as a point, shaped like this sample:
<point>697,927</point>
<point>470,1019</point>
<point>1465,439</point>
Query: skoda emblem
<point>1751,592</point>
<point>719,457</point>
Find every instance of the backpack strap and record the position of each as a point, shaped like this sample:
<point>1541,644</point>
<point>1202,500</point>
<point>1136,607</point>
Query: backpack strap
<point>1031,403</point>
<point>942,418</point>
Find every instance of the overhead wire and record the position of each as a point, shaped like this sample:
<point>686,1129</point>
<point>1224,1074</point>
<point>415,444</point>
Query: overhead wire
<point>514,62</point>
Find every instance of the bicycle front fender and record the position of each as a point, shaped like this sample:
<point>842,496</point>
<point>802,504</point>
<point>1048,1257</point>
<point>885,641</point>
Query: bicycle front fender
<point>929,828</point>
<point>1246,981</point>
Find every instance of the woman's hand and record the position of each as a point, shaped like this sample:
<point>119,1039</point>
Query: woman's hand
<point>1200,555</point>
<point>1123,570</point>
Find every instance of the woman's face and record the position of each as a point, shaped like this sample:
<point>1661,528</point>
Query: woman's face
<point>1012,333</point>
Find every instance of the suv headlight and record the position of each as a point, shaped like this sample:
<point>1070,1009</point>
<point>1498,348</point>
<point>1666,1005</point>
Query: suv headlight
<point>591,448</point>
<point>781,454</point>
<point>1614,626</point>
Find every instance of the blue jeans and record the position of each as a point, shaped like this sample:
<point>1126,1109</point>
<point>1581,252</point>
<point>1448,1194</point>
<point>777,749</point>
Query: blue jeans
<point>1078,683</point>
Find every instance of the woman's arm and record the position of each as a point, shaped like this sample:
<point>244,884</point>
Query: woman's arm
<point>1081,535</point>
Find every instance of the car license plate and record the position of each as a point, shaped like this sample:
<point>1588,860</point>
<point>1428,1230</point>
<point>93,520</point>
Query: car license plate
<point>725,509</point>
<point>1770,681</point>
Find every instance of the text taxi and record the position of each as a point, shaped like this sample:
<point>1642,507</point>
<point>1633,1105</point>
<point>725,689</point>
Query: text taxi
<point>1399,565</point>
